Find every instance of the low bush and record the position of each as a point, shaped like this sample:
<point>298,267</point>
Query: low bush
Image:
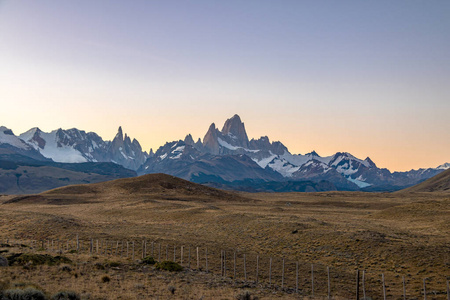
<point>37,259</point>
<point>106,279</point>
<point>112,264</point>
<point>169,266</point>
<point>148,260</point>
<point>66,295</point>
<point>25,294</point>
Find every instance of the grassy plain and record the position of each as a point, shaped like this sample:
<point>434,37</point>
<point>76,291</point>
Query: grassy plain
<point>401,234</point>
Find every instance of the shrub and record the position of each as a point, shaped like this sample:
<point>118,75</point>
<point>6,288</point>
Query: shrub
<point>66,268</point>
<point>3,262</point>
<point>99,266</point>
<point>169,266</point>
<point>148,260</point>
<point>37,259</point>
<point>66,295</point>
<point>171,289</point>
<point>106,279</point>
<point>26,294</point>
<point>112,264</point>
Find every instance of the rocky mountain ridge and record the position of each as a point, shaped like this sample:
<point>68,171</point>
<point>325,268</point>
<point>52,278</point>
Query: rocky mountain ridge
<point>224,156</point>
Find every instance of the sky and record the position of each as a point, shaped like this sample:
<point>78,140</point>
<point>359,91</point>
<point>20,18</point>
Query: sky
<point>367,77</point>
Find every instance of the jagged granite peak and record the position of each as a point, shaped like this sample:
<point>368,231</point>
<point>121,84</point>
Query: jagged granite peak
<point>75,146</point>
<point>370,162</point>
<point>313,153</point>
<point>210,141</point>
<point>235,129</point>
<point>151,153</point>
<point>189,140</point>
<point>119,134</point>
<point>261,143</point>
<point>126,153</point>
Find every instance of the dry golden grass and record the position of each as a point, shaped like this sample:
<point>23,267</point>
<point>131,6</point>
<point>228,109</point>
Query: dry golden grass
<point>395,234</point>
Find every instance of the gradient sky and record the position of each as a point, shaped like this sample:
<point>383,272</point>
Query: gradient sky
<point>367,77</point>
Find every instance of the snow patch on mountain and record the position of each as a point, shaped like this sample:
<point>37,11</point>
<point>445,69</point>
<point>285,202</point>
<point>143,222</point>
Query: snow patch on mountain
<point>283,167</point>
<point>444,166</point>
<point>58,152</point>
<point>359,183</point>
<point>8,137</point>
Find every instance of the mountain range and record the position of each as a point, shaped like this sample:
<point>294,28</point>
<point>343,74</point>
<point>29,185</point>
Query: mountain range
<point>225,158</point>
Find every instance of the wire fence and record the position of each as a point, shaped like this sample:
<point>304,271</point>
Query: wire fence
<point>260,270</point>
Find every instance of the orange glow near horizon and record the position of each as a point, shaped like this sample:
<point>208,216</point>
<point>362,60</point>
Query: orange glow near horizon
<point>314,75</point>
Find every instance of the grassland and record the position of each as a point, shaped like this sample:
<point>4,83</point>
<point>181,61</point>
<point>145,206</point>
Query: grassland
<point>402,234</point>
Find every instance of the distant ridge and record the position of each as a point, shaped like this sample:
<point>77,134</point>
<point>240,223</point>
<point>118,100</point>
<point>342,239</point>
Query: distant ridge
<point>149,187</point>
<point>437,184</point>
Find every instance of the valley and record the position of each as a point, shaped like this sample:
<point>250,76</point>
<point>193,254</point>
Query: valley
<point>401,234</point>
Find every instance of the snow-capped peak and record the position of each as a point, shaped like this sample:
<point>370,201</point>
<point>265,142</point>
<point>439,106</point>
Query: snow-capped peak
<point>444,166</point>
<point>8,137</point>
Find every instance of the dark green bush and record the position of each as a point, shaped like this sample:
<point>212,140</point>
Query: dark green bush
<point>37,259</point>
<point>66,295</point>
<point>169,266</point>
<point>25,294</point>
<point>106,279</point>
<point>112,264</point>
<point>99,266</point>
<point>148,260</point>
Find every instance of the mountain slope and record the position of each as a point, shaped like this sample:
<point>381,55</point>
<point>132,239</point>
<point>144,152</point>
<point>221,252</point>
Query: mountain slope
<point>149,187</point>
<point>77,146</point>
<point>23,175</point>
<point>210,161</point>
<point>439,183</point>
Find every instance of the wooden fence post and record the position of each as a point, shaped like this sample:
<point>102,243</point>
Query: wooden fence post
<point>329,283</point>
<point>96,245</point>
<point>132,258</point>
<point>245,270</point>
<point>152,249</point>
<point>78,243</point>
<point>224,263</point>
<point>159,253</point>
<point>296,277</point>
<point>424,290</point>
<point>198,261</point>
<point>357,284</point>
<point>404,287</point>
<point>221,262</point>
<point>234,275</point>
<point>384,286</point>
<point>282,276</point>
<point>182,247</point>
<point>167,252</point>
<point>257,267</point>
<point>206,257</point>
<point>128,247</point>
<point>270,271</point>
<point>312,280</point>
<point>448,290</point>
<point>121,249</point>
<point>143,249</point>
<point>364,284</point>
<point>174,253</point>
<point>189,258</point>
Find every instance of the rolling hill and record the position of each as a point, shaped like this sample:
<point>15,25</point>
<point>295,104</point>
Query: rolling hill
<point>438,183</point>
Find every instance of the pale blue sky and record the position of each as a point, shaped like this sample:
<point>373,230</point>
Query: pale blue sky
<point>368,77</point>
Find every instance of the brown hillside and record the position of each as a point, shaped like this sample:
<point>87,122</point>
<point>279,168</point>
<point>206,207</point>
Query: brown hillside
<point>151,186</point>
<point>438,183</point>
